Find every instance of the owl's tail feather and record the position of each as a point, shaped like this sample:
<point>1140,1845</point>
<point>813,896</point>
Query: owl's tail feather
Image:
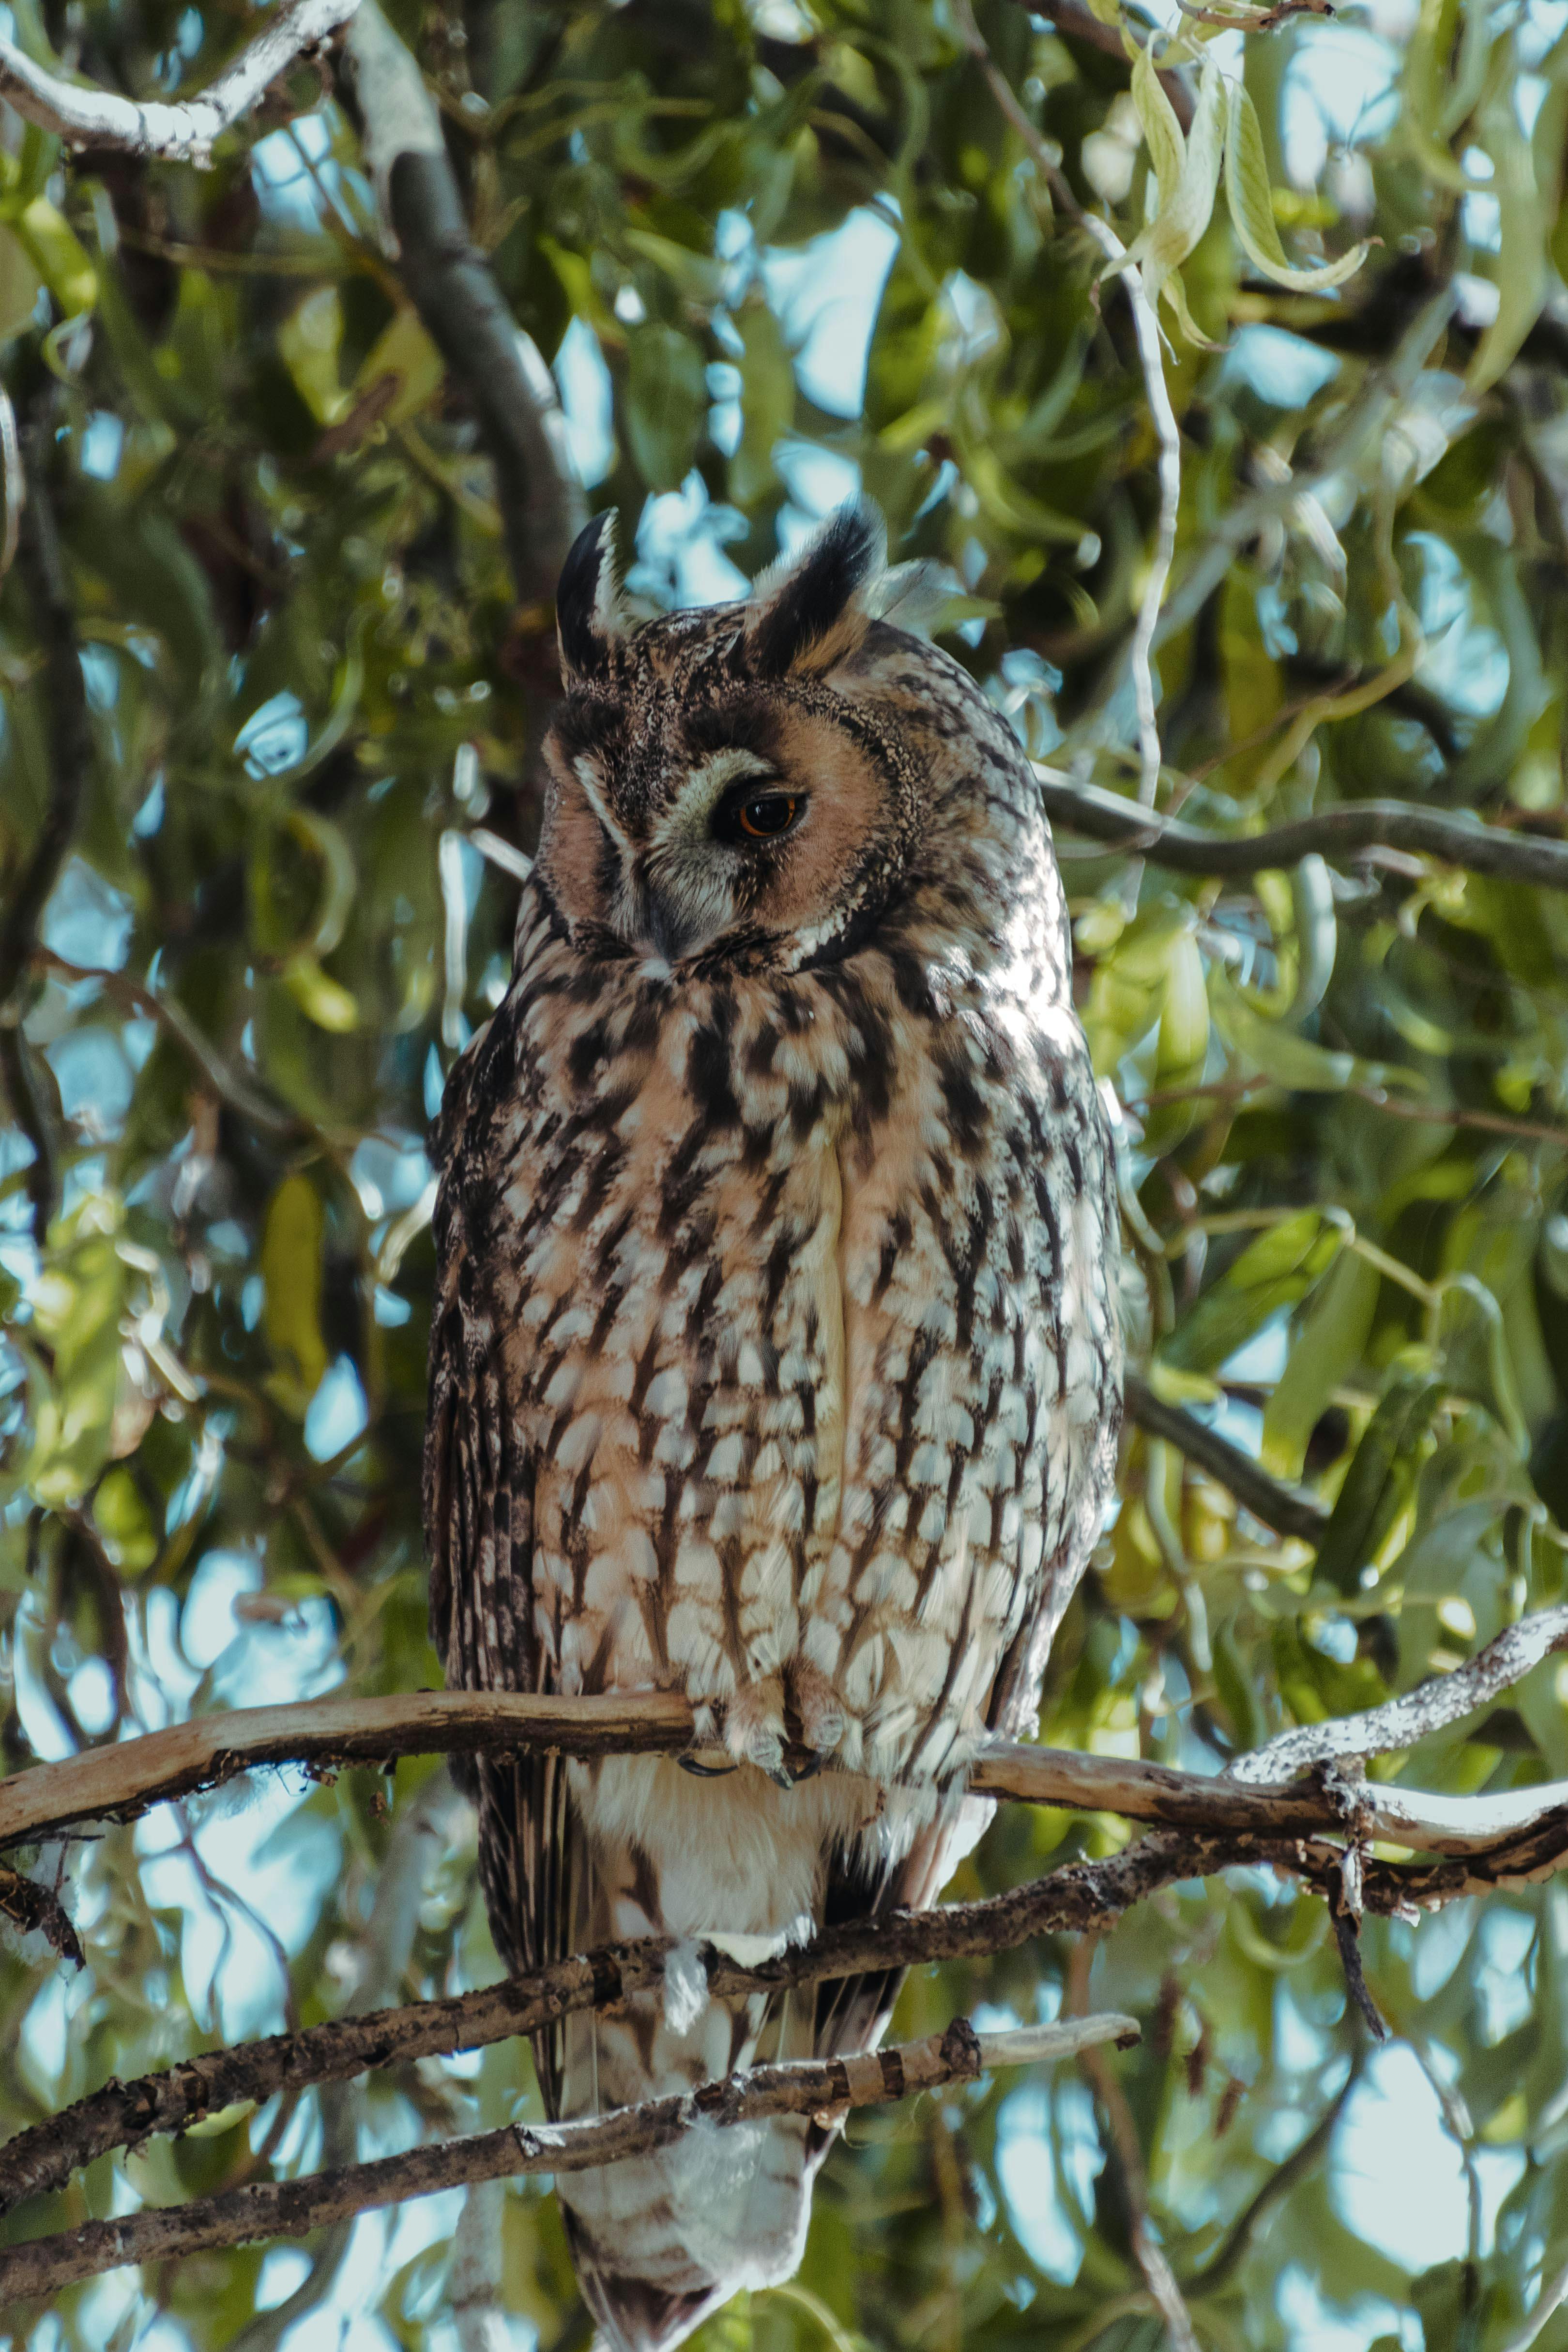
<point>659,2242</point>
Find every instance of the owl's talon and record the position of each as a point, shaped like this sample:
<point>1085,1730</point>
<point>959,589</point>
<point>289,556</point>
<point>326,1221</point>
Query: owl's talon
<point>701,1771</point>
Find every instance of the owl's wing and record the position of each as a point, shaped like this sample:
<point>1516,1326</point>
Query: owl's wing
<point>479,1478</point>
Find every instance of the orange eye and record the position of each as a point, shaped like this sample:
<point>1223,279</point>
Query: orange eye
<point>766,815</point>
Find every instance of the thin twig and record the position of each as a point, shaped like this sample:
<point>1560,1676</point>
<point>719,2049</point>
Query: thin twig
<point>1331,832</point>
<point>172,1017</point>
<point>290,2208</point>
<point>1288,1510</point>
<point>86,117</point>
<point>1009,104</point>
<point>1077,23</point>
<point>1223,2264</point>
<point>1149,2254</point>
<point>1162,418</point>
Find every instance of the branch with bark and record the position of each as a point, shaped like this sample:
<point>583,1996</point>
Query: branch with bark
<point>454,289</point>
<point>823,2089</point>
<point>41,571</point>
<point>85,116</point>
<point>1253,1815</point>
<point>1270,1795</point>
<point>1339,832</point>
<point>118,1783</point>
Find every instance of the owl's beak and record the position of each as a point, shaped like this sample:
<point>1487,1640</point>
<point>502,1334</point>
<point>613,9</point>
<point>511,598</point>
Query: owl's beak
<point>670,928</point>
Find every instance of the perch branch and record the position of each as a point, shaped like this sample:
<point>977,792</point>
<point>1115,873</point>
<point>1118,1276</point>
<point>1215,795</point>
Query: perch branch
<point>1288,1510</point>
<point>278,2209</point>
<point>118,1782</point>
<point>1339,832</point>
<point>121,2115</point>
<point>86,117</point>
<point>454,289</point>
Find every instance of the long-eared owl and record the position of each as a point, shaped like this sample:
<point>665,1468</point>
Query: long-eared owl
<point>774,1357</point>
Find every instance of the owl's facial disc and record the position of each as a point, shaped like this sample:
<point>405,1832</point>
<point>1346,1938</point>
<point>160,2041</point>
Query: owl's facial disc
<point>749,822</point>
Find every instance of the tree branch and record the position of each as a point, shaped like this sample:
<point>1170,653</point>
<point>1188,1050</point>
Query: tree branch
<point>1288,1510</point>
<point>69,733</point>
<point>454,289</point>
<point>1339,833</point>
<point>274,2208</point>
<point>86,117</point>
<point>172,1017</point>
<point>118,1782</point>
<point>121,2115</point>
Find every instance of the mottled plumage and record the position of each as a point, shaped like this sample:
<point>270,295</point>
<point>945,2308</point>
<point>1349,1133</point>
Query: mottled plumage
<point>774,1357</point>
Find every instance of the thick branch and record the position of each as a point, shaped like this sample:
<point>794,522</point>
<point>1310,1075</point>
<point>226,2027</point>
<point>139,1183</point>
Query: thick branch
<point>1288,1510</point>
<point>454,289</point>
<point>86,117</point>
<point>118,1782</point>
<point>1338,832</point>
<point>69,731</point>
<point>280,2209</point>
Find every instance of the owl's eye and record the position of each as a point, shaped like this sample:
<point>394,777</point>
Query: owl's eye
<point>767,814</point>
<point>758,809</point>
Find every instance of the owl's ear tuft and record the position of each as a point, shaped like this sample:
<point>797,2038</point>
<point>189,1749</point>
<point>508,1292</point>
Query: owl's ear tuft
<point>809,610</point>
<point>587,601</point>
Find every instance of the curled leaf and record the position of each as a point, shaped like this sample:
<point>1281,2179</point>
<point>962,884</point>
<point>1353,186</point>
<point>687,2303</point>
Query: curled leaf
<point>1251,202</point>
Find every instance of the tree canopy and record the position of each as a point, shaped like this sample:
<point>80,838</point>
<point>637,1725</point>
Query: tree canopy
<point>1222,364</point>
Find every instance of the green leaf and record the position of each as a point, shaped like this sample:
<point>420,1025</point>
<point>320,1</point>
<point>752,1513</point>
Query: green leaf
<point>19,284</point>
<point>310,340</point>
<point>1328,1345</point>
<point>291,1264</point>
<point>1251,201</point>
<point>667,404</point>
<point>1378,1482</point>
<point>1523,226</point>
<point>56,252</point>
<point>320,997</point>
<point>1275,1271</point>
<point>767,403</point>
<point>1188,173</point>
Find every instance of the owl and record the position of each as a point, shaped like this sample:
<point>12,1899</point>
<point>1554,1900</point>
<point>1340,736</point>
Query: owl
<point>775,1359</point>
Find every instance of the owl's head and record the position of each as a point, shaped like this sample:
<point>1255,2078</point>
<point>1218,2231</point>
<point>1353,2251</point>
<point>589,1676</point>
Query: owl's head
<point>732,781</point>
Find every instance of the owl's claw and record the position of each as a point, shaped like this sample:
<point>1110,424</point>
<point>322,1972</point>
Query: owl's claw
<point>701,1771</point>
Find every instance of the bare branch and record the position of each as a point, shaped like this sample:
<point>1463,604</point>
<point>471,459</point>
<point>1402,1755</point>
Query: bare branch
<point>1288,1510</point>
<point>454,289</point>
<point>276,2209</point>
<point>115,1783</point>
<point>86,117</point>
<point>1433,1705</point>
<point>1081,1896</point>
<point>1338,832</point>
<point>172,1017</point>
<point>69,733</point>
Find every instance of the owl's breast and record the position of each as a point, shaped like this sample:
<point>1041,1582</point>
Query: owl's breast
<point>796,1284</point>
